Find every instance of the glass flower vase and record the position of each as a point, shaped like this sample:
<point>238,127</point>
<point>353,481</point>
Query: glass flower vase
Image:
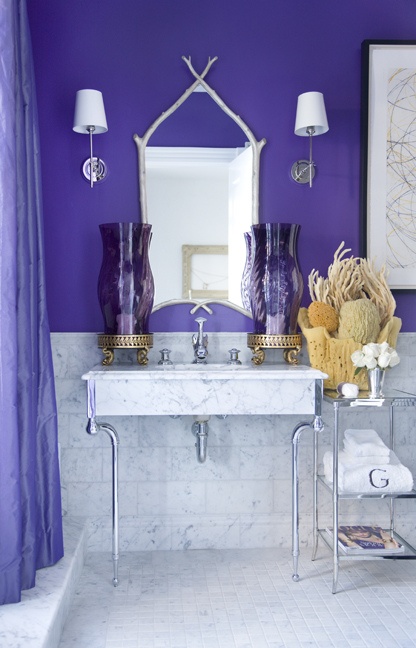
<point>276,284</point>
<point>125,283</point>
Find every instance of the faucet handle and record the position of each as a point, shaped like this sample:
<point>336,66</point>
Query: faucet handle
<point>234,357</point>
<point>200,338</point>
<point>200,342</point>
<point>165,360</point>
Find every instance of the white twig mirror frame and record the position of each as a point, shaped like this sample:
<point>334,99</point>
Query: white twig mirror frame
<point>141,143</point>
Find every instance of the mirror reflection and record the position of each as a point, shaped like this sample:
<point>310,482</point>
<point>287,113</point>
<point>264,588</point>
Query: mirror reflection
<point>199,207</point>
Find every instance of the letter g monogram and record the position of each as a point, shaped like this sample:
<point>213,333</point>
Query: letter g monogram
<point>383,482</point>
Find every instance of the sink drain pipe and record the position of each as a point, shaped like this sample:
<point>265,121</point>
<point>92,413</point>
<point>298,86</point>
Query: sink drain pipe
<point>200,430</point>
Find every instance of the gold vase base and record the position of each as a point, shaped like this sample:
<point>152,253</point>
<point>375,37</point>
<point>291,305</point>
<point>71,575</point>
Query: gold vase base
<point>259,343</point>
<point>142,343</point>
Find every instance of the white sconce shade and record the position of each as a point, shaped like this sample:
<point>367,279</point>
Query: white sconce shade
<point>89,111</point>
<point>310,120</point>
<point>311,113</point>
<point>90,119</point>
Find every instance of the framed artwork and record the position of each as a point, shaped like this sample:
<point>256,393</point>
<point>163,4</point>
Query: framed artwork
<point>388,159</point>
<point>205,271</point>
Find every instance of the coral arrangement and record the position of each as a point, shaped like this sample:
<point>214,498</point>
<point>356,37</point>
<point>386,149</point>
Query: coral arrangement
<point>350,307</point>
<point>354,281</point>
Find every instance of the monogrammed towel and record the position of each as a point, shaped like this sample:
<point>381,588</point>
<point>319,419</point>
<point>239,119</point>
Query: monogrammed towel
<point>390,477</point>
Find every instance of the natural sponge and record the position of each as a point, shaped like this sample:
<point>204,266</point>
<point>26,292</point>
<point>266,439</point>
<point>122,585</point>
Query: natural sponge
<point>359,320</point>
<point>321,314</point>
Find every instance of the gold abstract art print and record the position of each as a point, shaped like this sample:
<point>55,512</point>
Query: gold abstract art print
<point>389,159</point>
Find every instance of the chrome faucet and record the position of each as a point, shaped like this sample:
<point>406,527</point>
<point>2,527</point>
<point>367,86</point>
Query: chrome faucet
<point>200,343</point>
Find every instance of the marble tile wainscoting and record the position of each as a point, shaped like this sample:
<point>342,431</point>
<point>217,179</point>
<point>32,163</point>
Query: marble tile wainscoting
<point>241,496</point>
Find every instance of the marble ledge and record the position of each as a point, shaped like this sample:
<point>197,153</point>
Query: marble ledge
<point>220,371</point>
<point>37,621</point>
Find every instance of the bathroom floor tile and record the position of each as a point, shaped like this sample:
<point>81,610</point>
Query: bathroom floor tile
<point>241,599</point>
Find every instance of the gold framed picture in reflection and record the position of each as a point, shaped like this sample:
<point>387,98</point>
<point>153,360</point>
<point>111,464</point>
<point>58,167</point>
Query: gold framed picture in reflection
<point>205,271</point>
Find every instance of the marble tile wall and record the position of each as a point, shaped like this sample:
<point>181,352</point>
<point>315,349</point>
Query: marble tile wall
<point>240,497</point>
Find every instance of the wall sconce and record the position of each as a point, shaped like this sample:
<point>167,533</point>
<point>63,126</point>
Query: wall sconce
<point>310,120</point>
<point>89,118</point>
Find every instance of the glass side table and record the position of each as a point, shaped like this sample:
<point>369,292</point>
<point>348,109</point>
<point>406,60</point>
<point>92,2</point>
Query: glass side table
<point>392,400</point>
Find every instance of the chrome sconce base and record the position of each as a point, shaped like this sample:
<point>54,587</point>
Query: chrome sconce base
<point>99,170</point>
<point>303,171</point>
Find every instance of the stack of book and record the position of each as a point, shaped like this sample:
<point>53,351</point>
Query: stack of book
<point>360,540</point>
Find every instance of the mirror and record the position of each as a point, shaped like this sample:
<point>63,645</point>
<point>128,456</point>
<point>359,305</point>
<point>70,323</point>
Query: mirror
<point>199,199</point>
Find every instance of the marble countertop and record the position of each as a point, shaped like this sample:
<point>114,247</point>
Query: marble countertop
<point>182,371</point>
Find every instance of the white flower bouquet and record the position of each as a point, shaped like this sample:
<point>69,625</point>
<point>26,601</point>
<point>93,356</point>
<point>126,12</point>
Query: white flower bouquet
<point>375,355</point>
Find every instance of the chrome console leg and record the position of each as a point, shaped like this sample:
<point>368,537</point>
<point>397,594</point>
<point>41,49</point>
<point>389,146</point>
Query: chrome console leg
<point>317,426</point>
<point>94,427</point>
<point>295,495</point>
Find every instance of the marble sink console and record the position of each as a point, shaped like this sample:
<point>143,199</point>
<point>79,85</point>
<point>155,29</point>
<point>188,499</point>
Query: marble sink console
<point>201,391</point>
<point>191,389</point>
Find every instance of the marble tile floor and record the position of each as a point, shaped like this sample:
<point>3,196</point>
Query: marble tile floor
<point>241,599</point>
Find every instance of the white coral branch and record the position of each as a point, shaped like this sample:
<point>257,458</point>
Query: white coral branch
<point>376,289</point>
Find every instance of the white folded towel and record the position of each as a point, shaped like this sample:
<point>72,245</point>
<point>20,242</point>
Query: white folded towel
<point>364,443</point>
<point>360,477</point>
<point>350,460</point>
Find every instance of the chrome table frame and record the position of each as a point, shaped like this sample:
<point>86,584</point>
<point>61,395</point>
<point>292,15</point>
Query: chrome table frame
<point>395,398</point>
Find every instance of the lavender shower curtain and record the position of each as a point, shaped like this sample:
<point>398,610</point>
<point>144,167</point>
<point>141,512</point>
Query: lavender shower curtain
<point>30,501</point>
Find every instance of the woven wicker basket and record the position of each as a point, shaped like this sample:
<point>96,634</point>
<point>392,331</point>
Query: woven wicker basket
<point>333,356</point>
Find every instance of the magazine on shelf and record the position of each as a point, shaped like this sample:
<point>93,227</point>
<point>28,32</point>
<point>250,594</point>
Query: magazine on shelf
<point>366,539</point>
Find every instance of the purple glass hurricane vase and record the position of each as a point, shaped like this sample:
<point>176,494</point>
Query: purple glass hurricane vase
<point>125,283</point>
<point>245,279</point>
<point>276,285</point>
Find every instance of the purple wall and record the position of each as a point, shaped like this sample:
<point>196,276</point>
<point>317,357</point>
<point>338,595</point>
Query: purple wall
<point>269,52</point>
